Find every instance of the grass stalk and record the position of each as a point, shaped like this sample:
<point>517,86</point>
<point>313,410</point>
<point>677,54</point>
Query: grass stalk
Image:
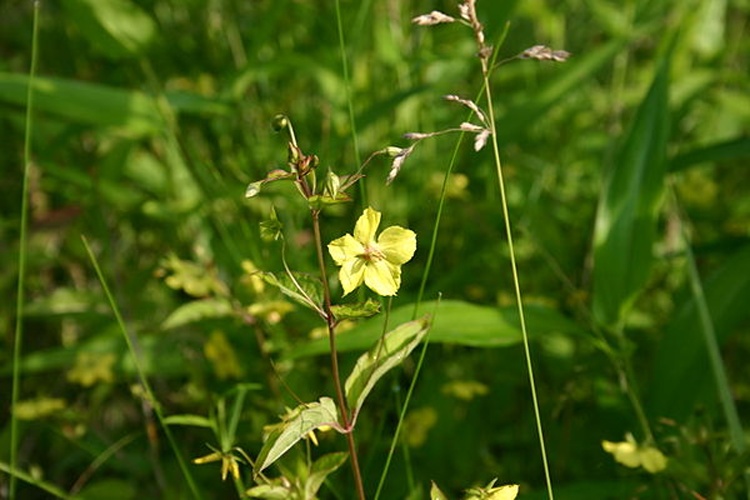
<point>718,371</point>
<point>349,98</point>
<point>141,373</point>
<point>514,270</point>
<point>22,248</point>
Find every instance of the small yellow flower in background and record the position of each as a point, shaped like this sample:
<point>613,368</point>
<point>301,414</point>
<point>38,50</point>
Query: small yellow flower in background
<point>229,463</point>
<point>377,263</point>
<point>92,367</point>
<point>220,353</point>
<point>631,454</point>
<point>417,425</point>
<point>33,409</point>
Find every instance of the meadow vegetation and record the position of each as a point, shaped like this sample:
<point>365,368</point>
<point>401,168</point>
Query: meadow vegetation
<point>333,249</point>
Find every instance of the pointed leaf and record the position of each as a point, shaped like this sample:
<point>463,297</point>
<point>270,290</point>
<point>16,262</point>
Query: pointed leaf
<point>303,420</point>
<point>320,470</point>
<point>387,353</point>
<point>312,287</point>
<point>628,209</point>
<point>435,493</point>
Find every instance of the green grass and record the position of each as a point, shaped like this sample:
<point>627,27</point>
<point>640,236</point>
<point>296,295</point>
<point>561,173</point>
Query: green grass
<point>144,123</point>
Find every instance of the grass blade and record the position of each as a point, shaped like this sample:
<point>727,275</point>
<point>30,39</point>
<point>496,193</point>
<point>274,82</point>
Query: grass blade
<point>20,296</point>
<point>626,219</point>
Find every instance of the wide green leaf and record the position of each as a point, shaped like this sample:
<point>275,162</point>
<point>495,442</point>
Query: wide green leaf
<point>628,208</point>
<point>387,353</point>
<point>299,423</point>
<point>456,322</point>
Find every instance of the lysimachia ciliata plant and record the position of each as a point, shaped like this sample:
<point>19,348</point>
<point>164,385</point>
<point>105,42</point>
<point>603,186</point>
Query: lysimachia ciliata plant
<point>365,257</point>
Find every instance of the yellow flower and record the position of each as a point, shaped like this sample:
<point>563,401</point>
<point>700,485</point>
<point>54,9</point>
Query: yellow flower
<point>377,263</point>
<point>630,454</point>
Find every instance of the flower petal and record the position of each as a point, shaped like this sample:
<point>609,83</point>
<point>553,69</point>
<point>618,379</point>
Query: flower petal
<point>367,224</point>
<point>382,277</point>
<point>345,248</point>
<point>351,274</point>
<point>397,244</point>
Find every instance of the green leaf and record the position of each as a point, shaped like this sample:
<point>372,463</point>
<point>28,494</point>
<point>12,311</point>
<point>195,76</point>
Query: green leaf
<point>388,352</point>
<point>722,151</point>
<point>435,493</point>
<point>359,310</point>
<point>320,470</point>
<point>302,420</point>
<point>132,113</point>
<point>312,287</point>
<point>270,492</point>
<point>457,322</point>
<point>628,208</point>
<point>189,420</point>
<point>679,382</point>
<point>198,310</point>
<point>117,28</point>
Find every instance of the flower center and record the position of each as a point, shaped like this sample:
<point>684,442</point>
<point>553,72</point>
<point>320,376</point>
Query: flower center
<point>372,254</point>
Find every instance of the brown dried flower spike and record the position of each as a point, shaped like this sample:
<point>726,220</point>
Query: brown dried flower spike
<point>544,53</point>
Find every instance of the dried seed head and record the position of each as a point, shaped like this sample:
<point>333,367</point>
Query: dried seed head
<point>544,53</point>
<point>469,104</point>
<point>416,136</point>
<point>433,18</point>
<point>481,139</point>
<point>470,127</point>
<point>398,162</point>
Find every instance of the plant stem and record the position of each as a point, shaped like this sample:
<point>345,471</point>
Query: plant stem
<point>331,324</point>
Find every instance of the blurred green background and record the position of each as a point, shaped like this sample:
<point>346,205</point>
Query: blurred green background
<point>152,116</point>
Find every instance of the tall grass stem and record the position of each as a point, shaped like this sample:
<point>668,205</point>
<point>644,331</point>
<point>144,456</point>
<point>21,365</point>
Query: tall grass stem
<point>516,279</point>
<point>22,248</point>
<point>141,372</point>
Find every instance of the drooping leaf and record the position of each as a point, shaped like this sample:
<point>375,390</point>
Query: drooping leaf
<point>299,423</point>
<point>456,322</point>
<point>628,208</point>
<point>725,150</point>
<point>198,310</point>
<point>387,353</point>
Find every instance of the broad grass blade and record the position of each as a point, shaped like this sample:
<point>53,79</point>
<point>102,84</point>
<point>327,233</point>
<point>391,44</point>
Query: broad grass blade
<point>628,208</point>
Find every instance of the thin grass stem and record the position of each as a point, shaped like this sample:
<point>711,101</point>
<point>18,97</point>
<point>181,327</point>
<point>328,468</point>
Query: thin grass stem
<point>349,98</point>
<point>516,279</point>
<point>22,248</point>
<point>718,371</point>
<point>141,373</point>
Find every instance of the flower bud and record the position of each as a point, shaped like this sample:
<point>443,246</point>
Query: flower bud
<point>279,122</point>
